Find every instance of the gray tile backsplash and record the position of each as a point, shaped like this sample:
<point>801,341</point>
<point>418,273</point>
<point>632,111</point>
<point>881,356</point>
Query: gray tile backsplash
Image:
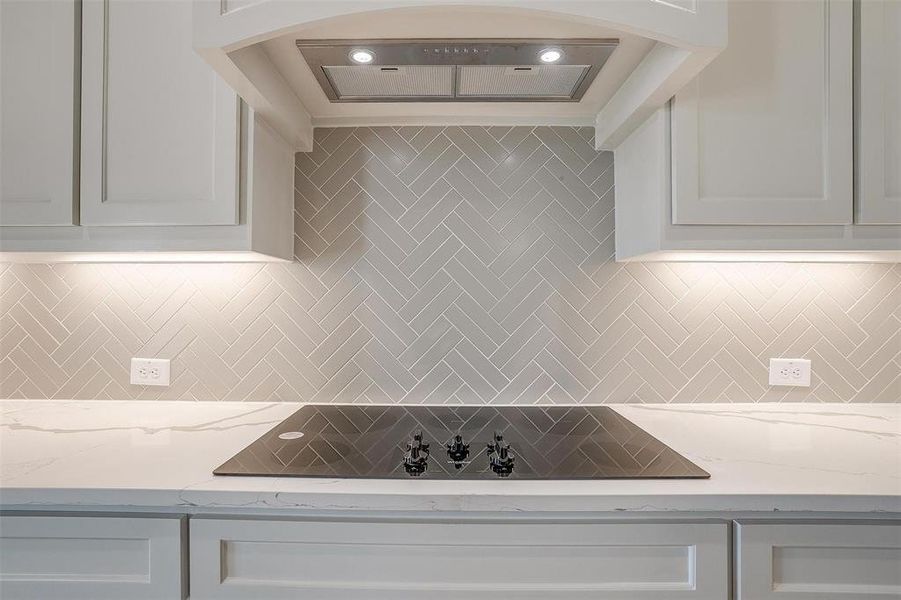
<point>458,264</point>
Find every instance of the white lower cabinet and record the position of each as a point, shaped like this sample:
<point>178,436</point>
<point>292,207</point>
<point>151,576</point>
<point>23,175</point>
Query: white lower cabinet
<point>346,560</point>
<point>92,558</point>
<point>817,561</point>
<point>145,557</point>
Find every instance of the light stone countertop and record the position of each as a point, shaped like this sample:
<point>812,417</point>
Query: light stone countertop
<point>159,456</point>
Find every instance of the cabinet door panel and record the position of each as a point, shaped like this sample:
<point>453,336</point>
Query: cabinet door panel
<point>159,128</point>
<point>91,558</point>
<point>37,111</point>
<point>764,134</point>
<point>269,560</point>
<point>879,113</point>
<point>825,561</point>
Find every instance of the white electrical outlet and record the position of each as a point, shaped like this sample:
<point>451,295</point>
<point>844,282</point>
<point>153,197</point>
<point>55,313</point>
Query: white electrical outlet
<point>150,371</point>
<point>790,371</point>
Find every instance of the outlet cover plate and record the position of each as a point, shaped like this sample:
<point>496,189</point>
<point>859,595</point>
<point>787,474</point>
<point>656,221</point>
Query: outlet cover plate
<point>790,371</point>
<point>150,371</point>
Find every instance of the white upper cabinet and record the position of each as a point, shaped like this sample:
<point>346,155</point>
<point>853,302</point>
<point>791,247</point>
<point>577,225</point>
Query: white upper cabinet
<point>764,134</point>
<point>879,112</point>
<point>159,128</point>
<point>37,111</point>
<point>115,136</point>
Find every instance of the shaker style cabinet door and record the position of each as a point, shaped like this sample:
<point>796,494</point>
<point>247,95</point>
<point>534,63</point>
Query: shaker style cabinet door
<point>764,134</point>
<point>817,561</point>
<point>159,130</point>
<point>237,559</point>
<point>38,111</point>
<point>879,113</point>
<point>74,557</point>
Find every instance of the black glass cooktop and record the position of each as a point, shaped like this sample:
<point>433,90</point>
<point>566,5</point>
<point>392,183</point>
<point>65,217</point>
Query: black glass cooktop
<point>460,442</point>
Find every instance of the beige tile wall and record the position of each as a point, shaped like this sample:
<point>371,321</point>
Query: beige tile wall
<point>453,265</point>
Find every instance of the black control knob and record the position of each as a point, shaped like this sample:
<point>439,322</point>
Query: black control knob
<point>416,458</point>
<point>500,457</point>
<point>457,451</point>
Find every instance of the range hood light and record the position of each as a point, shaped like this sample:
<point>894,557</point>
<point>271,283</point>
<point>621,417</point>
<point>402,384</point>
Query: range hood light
<point>362,56</point>
<point>550,55</point>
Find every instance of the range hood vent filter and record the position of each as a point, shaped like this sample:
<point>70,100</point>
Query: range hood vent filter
<point>462,70</point>
<point>558,81</point>
<point>391,81</point>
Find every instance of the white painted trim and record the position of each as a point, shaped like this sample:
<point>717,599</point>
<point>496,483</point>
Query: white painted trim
<point>224,256</point>
<point>690,32</point>
<point>267,92</point>
<point>703,26</point>
<point>447,120</point>
<point>67,243</point>
<point>662,73</point>
<point>270,185</point>
<point>759,256</point>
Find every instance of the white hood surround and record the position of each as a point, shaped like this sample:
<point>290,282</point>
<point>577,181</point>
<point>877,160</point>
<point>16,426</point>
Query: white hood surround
<point>251,44</point>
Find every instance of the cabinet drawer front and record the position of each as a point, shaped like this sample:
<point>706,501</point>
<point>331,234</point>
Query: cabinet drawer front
<point>91,557</point>
<point>399,560</point>
<point>821,561</point>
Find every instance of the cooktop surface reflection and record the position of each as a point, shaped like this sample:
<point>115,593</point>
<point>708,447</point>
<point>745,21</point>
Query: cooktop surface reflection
<point>460,442</point>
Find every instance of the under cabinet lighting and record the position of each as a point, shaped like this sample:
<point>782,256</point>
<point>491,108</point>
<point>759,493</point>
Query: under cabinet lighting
<point>764,256</point>
<point>224,256</point>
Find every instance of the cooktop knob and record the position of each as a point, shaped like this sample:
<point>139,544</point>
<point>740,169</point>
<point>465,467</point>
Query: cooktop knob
<point>500,457</point>
<point>416,458</point>
<point>457,451</point>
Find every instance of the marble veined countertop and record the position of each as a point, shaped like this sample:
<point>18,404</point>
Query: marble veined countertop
<point>159,456</point>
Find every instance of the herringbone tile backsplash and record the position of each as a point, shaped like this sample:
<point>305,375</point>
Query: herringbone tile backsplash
<point>458,264</point>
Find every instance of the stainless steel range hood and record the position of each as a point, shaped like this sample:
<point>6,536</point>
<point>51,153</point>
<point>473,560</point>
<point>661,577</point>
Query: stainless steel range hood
<point>458,70</point>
